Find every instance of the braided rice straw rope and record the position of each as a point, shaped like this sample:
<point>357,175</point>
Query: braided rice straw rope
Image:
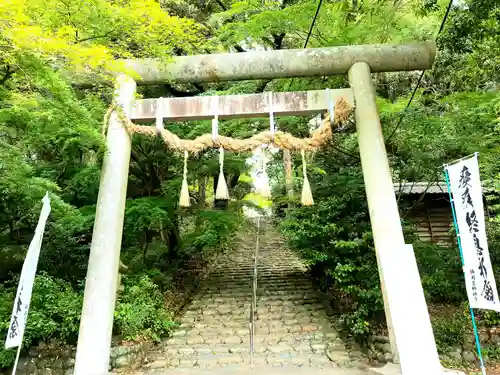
<point>283,140</point>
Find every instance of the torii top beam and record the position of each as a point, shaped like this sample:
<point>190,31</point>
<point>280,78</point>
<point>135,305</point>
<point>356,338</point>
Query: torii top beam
<point>278,64</point>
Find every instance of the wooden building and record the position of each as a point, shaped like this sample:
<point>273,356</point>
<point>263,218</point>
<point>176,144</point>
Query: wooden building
<point>427,205</point>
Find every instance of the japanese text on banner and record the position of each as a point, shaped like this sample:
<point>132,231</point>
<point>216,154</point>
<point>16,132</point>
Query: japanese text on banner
<point>23,295</point>
<point>465,186</point>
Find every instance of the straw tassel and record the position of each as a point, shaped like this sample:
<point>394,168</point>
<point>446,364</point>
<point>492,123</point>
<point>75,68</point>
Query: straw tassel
<point>307,198</point>
<point>184,200</point>
<point>222,192</point>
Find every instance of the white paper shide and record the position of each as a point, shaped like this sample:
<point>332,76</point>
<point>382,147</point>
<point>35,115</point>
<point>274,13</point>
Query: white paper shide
<point>23,295</point>
<point>465,186</point>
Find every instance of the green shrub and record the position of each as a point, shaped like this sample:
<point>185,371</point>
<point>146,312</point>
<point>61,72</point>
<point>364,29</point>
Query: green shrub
<point>145,217</point>
<point>56,307</point>
<point>6,301</point>
<point>441,272</point>
<point>67,244</point>
<point>11,260</point>
<point>487,318</point>
<point>333,237</point>
<point>451,330</point>
<point>213,232</point>
<point>164,280</point>
<point>54,312</point>
<point>490,353</point>
<point>140,311</point>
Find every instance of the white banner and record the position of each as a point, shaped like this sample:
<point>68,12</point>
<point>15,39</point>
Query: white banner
<point>23,295</point>
<point>465,186</point>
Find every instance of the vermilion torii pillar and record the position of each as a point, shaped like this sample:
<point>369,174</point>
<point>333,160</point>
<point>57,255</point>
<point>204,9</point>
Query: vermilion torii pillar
<point>407,317</point>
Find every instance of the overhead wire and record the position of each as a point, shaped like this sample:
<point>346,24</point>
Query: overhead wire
<point>441,27</point>
<point>313,22</point>
<point>414,92</point>
<point>320,2</point>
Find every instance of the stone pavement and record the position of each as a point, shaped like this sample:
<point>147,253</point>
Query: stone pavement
<point>292,325</point>
<point>268,370</point>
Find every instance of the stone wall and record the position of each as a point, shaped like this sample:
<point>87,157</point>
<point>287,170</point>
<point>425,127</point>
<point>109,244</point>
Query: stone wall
<point>379,348</point>
<point>466,351</point>
<point>54,358</point>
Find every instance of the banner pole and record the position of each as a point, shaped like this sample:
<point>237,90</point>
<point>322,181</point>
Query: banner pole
<point>17,360</point>
<point>473,318</point>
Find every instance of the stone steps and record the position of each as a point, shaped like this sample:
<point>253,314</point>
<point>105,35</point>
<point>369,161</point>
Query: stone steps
<point>292,326</point>
<point>269,370</point>
<point>294,359</point>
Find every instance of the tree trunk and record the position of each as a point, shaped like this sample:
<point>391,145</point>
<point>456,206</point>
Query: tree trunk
<point>11,230</point>
<point>287,162</point>
<point>202,190</point>
<point>174,237</point>
<point>145,246</point>
<point>384,89</point>
<point>234,180</point>
<point>162,232</point>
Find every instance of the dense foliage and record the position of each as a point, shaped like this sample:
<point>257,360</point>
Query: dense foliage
<point>455,114</point>
<point>50,140</point>
<point>334,235</point>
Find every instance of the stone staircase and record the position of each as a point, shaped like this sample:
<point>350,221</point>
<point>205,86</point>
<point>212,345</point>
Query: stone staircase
<point>292,326</point>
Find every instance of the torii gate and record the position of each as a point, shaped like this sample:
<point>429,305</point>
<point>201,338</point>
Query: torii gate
<point>410,330</point>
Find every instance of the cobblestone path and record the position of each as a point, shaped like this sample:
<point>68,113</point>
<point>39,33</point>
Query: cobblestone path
<point>292,325</point>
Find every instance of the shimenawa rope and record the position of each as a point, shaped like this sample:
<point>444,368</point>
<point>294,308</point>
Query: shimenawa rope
<point>319,137</point>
